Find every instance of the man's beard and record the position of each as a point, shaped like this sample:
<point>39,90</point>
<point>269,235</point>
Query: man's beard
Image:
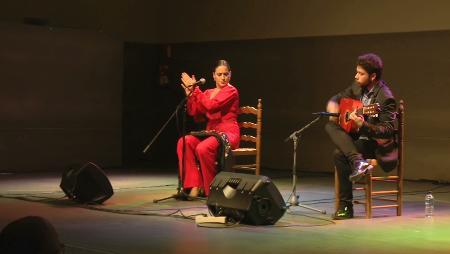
<point>362,84</point>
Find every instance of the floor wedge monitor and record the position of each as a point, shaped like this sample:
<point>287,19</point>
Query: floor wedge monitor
<point>87,184</point>
<point>245,198</point>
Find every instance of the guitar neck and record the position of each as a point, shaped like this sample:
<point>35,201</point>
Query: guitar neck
<point>360,111</point>
<point>366,110</point>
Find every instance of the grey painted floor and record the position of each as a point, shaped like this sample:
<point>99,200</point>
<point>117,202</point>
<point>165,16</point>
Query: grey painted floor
<point>130,222</point>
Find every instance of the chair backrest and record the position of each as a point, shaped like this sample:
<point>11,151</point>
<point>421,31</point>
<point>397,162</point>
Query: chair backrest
<point>250,145</point>
<point>401,138</point>
<point>256,124</point>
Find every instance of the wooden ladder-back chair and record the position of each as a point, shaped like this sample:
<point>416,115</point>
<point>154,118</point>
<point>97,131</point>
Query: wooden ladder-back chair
<point>255,148</point>
<point>367,183</point>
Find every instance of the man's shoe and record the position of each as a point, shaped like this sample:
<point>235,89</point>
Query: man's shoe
<point>344,212</point>
<point>360,169</point>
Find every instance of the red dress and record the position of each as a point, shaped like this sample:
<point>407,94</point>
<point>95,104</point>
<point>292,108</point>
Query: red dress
<point>221,113</point>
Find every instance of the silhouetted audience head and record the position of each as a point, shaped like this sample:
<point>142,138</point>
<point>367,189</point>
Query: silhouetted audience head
<point>30,235</point>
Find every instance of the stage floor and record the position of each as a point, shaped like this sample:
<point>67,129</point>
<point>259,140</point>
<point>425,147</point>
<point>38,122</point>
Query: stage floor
<point>129,222</point>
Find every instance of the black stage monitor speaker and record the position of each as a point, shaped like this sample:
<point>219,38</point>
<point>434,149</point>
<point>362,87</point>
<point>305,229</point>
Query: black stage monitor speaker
<point>250,199</point>
<point>87,184</point>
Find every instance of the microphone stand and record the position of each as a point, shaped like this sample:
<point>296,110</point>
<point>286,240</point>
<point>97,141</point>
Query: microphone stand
<point>180,195</point>
<point>294,198</point>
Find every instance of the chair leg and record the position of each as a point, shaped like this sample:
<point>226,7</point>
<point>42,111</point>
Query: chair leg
<point>399,197</point>
<point>369,187</point>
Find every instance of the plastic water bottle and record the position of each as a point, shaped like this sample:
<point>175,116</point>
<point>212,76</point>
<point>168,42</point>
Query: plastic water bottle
<point>429,205</point>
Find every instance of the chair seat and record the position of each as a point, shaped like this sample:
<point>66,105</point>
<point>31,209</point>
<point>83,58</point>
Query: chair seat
<point>245,151</point>
<point>245,167</point>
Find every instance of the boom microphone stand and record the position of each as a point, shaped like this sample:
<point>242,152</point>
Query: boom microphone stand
<point>180,194</point>
<point>294,198</point>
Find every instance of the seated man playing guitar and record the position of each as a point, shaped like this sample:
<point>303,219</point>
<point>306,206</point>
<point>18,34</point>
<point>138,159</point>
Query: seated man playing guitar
<point>365,128</point>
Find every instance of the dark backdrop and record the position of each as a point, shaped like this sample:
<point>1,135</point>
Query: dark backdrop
<point>295,77</point>
<point>62,93</point>
<point>60,98</point>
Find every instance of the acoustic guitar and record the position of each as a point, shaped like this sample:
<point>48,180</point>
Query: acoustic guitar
<point>347,106</point>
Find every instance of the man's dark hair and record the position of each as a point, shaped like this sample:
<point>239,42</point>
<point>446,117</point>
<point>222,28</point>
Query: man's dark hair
<point>371,63</point>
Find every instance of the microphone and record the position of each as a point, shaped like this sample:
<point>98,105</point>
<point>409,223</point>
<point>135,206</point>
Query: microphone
<point>326,114</point>
<point>198,82</point>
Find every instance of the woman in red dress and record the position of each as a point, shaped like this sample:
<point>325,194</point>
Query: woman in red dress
<point>220,107</point>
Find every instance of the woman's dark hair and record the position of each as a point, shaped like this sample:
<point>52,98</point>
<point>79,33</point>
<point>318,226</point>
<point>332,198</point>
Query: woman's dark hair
<point>222,63</point>
<point>371,63</point>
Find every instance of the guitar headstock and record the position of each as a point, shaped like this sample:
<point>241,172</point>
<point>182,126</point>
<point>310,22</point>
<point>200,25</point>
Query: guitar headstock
<point>372,109</point>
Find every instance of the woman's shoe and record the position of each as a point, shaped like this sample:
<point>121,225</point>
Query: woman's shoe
<point>194,193</point>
